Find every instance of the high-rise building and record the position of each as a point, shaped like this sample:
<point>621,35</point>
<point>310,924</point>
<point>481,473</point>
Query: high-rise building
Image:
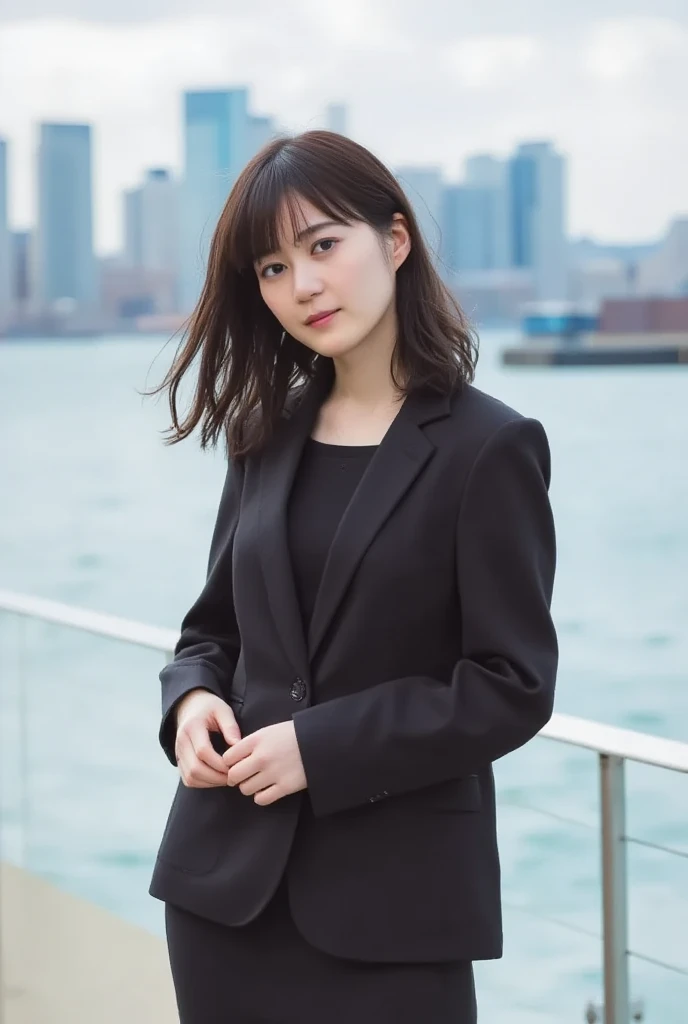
<point>475,223</point>
<point>66,265</point>
<point>5,245</point>
<point>336,118</point>
<point>151,230</point>
<point>217,144</point>
<point>425,189</point>
<point>537,203</point>
<point>133,227</point>
<point>487,172</point>
<point>467,229</point>
<point>22,279</point>
<point>260,131</point>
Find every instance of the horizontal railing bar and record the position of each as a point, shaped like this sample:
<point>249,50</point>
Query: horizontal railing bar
<point>657,846</point>
<point>110,626</point>
<point>579,732</point>
<point>616,742</point>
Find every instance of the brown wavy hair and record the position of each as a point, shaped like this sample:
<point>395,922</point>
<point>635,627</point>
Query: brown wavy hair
<point>247,364</point>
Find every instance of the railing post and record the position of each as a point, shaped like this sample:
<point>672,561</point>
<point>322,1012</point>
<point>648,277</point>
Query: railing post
<point>614,890</point>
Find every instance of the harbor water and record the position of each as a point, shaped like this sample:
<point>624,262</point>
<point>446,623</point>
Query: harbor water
<point>97,512</point>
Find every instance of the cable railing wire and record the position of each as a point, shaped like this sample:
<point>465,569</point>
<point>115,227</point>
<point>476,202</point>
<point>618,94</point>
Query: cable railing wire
<point>523,806</point>
<point>590,933</point>
<point>657,846</point>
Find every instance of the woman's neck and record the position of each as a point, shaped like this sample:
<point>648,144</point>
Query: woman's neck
<point>363,378</point>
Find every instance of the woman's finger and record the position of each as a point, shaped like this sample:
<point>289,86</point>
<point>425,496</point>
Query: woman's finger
<point>253,784</point>
<point>242,770</point>
<point>194,772</point>
<point>268,795</point>
<point>199,737</point>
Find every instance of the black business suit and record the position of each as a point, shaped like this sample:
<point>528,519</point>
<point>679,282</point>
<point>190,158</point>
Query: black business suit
<point>430,653</point>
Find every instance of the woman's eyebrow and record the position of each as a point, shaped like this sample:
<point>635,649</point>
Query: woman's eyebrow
<point>312,228</point>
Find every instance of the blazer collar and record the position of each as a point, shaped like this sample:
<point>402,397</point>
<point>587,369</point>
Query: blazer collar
<point>398,461</point>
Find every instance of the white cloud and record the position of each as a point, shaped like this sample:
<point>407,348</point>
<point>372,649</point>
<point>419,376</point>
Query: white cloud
<point>619,49</point>
<point>610,95</point>
<point>490,61</point>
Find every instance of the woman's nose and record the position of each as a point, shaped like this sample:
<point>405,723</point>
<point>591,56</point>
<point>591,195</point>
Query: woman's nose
<point>306,284</point>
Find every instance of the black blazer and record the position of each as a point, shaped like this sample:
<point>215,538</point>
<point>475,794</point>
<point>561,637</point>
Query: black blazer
<point>430,654</point>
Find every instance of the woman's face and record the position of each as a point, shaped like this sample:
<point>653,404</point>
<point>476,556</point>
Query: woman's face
<point>332,286</point>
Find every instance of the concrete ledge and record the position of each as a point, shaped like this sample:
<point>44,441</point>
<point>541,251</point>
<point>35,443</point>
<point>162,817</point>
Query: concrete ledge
<point>65,961</point>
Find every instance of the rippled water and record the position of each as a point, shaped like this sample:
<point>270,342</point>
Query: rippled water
<point>96,512</point>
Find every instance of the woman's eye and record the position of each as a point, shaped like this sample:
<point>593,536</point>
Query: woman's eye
<point>265,272</point>
<point>330,242</point>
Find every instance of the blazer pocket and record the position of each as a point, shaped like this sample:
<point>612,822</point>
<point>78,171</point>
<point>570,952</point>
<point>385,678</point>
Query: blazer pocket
<point>453,795</point>
<point>191,841</point>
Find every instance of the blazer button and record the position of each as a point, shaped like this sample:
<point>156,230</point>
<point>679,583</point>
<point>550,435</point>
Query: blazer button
<point>298,689</point>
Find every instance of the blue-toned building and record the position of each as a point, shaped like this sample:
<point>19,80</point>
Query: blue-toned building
<point>537,206</point>
<point>218,140</point>
<point>337,118</point>
<point>66,265</point>
<point>5,246</point>
<point>151,222</point>
<point>424,187</point>
<point>474,235</point>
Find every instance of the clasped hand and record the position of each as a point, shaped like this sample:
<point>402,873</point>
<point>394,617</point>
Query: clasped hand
<point>266,764</point>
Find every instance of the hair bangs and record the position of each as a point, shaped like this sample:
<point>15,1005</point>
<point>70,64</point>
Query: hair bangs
<point>280,186</point>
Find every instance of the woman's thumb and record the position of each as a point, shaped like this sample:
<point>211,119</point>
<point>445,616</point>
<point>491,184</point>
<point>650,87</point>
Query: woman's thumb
<point>227,724</point>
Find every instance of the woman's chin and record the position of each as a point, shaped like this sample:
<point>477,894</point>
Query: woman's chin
<point>333,347</point>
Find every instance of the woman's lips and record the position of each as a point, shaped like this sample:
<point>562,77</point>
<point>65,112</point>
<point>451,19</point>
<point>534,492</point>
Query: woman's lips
<point>324,320</point>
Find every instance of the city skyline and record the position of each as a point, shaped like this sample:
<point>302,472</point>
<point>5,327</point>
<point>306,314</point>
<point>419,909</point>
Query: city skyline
<point>605,89</point>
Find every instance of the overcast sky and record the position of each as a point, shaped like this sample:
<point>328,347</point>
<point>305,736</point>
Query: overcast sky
<point>426,81</point>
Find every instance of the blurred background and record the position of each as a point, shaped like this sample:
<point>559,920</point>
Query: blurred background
<point>544,147</point>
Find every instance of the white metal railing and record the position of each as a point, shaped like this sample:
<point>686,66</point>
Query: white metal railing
<point>613,746</point>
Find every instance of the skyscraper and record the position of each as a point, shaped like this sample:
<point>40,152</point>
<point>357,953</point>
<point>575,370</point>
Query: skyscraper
<point>424,189</point>
<point>152,223</point>
<point>5,247</point>
<point>538,210</point>
<point>133,227</point>
<point>66,266</point>
<point>260,131</point>
<point>490,174</point>
<point>336,119</point>
<point>217,141</point>
<point>468,232</point>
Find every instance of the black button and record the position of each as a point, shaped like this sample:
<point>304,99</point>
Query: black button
<point>298,689</point>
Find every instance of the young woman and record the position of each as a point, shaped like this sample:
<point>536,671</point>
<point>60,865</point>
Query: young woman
<point>374,631</point>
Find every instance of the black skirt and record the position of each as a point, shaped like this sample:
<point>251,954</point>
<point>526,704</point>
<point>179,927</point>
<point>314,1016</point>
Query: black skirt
<point>266,973</point>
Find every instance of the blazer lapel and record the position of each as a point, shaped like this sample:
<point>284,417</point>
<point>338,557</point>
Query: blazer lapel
<point>278,466</point>
<point>400,458</point>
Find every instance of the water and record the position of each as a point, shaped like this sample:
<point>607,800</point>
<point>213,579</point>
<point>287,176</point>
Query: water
<point>96,512</point>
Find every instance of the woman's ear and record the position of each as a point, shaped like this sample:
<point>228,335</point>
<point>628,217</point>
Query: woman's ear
<point>401,239</point>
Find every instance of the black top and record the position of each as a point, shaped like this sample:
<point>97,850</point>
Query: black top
<point>325,481</point>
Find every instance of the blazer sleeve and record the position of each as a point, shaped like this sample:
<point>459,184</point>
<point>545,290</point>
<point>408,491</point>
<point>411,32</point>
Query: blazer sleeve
<point>403,734</point>
<point>208,647</point>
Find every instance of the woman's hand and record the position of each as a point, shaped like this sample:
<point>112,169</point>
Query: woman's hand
<point>266,764</point>
<point>199,713</point>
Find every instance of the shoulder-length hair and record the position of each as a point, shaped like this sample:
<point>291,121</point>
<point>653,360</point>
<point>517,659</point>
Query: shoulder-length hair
<point>247,364</point>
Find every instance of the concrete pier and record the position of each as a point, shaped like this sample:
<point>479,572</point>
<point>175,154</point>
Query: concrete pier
<point>66,961</point>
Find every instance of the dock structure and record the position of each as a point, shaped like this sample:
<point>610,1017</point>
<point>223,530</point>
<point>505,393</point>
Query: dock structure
<point>626,332</point>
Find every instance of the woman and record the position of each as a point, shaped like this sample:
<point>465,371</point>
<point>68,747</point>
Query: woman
<point>374,631</point>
